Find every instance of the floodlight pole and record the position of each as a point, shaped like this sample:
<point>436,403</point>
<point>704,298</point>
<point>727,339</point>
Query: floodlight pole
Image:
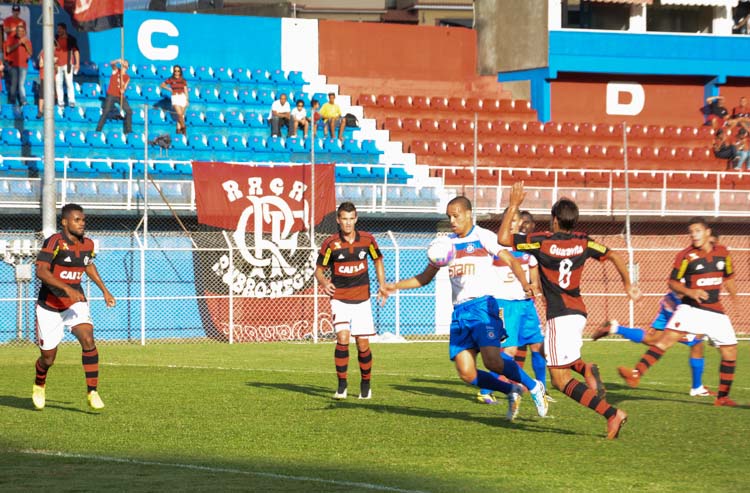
<point>48,205</point>
<point>316,315</point>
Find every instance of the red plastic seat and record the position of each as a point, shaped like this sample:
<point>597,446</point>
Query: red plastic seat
<point>474,104</point>
<point>410,124</point>
<point>419,147</point>
<point>438,103</point>
<point>568,129</point>
<point>484,127</point>
<point>587,129</point>
<point>465,126</point>
<point>447,125</point>
<point>614,152</point>
<point>597,151</point>
<point>438,148</point>
<point>517,127</point>
<point>534,129</point>
<point>366,100</point>
<point>562,151</point>
<point>506,105</point>
<point>527,151</point>
<point>456,104</point>
<point>403,102</point>
<point>392,123</point>
<point>500,127</point>
<point>420,102</point>
<point>384,101</point>
<point>487,176</point>
<point>509,150</point>
<point>655,131</point>
<point>490,149</point>
<point>457,149</point>
<point>545,151</point>
<point>429,125</point>
<point>552,128</point>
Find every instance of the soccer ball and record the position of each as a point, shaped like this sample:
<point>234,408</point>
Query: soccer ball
<point>441,251</point>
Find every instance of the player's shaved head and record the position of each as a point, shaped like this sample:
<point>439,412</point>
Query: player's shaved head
<point>461,201</point>
<point>68,209</point>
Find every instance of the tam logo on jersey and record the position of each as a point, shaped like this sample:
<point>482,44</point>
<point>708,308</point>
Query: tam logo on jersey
<point>266,253</point>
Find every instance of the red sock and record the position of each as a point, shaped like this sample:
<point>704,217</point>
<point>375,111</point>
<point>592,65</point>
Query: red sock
<point>90,360</point>
<point>41,374</point>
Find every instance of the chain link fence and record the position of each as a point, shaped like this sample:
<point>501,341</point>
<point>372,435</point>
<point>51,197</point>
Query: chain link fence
<point>205,284</point>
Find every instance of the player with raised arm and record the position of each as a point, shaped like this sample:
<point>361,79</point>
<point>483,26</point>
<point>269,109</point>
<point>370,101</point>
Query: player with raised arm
<point>519,314</point>
<point>345,253</point>
<point>698,273</point>
<point>476,326</point>
<point>60,265</point>
<point>561,254</point>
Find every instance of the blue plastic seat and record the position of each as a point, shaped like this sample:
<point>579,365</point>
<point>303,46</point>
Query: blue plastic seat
<point>296,79</point>
<point>208,95</point>
<point>90,90</point>
<point>265,98</point>
<point>255,120</point>
<point>21,189</point>
<point>259,76</point>
<point>344,174</point>
<point>75,138</point>
<point>377,174</point>
<point>109,189</point>
<point>203,73</point>
<point>228,95</point>
<point>278,78</point>
<point>96,139</point>
<point>242,75</point>
<point>332,145</point>
<point>86,188</point>
<point>184,168</point>
<point>163,71</point>
<point>150,92</point>
<point>100,166</point>
<point>397,174</point>
<point>18,165</point>
<point>198,142</point>
<point>223,74</point>
<point>237,143</point>
<point>32,138</point>
<point>276,144</point>
<point>256,144</point>
<point>164,168</point>
<point>352,147</point>
<point>246,95</point>
<point>215,118</point>
<point>135,140</point>
<point>117,140</point>
<point>369,147</point>
<point>296,145</point>
<point>76,115</point>
<point>194,118</point>
<point>11,136</point>
<point>29,112</point>
<point>173,190</point>
<point>145,71</point>
<point>234,118</point>
<point>9,112</point>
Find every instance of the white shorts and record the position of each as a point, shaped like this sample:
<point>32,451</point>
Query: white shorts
<point>179,100</point>
<point>50,326</point>
<point>563,339</point>
<point>354,317</point>
<point>697,321</point>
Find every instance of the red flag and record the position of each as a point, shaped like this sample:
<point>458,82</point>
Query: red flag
<point>94,15</point>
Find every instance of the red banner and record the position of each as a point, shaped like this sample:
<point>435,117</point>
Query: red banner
<point>226,192</point>
<point>94,15</point>
<point>266,258</point>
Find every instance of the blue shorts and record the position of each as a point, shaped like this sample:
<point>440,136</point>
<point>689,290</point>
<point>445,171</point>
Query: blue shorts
<point>660,323</point>
<point>521,322</point>
<point>475,324</point>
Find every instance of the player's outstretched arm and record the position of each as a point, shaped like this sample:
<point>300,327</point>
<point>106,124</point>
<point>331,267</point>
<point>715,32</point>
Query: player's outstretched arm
<point>94,276</point>
<point>422,279</point>
<point>517,194</point>
<point>380,273</point>
<point>632,291</point>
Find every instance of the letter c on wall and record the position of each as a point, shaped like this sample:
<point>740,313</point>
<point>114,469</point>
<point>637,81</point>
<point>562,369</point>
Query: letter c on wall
<point>630,108</point>
<point>145,36</point>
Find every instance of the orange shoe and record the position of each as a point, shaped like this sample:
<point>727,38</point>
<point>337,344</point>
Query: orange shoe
<point>631,377</point>
<point>615,424</point>
<point>604,329</point>
<point>724,401</point>
<point>594,380</point>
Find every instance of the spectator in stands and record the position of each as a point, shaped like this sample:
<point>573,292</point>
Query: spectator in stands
<point>740,26</point>
<point>742,143</point>
<point>724,149</point>
<point>67,63</point>
<point>177,85</point>
<point>40,84</point>
<point>281,114</point>
<point>17,51</point>
<point>314,117</point>
<point>716,113</point>
<point>10,23</point>
<point>118,84</point>
<point>299,118</point>
<point>741,112</point>
<point>332,118</point>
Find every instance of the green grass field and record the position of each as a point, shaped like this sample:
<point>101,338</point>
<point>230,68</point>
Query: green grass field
<point>260,418</point>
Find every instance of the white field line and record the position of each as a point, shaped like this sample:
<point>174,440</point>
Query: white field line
<point>223,470</point>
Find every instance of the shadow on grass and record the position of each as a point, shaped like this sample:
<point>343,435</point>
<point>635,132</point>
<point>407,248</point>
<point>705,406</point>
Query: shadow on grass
<point>24,403</point>
<point>353,403</point>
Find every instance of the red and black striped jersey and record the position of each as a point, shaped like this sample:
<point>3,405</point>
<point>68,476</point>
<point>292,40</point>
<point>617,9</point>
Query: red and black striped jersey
<point>349,266</point>
<point>703,270</point>
<point>561,257</point>
<point>67,261</point>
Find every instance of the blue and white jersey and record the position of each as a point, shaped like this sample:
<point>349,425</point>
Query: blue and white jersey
<point>471,272</point>
<point>507,286</point>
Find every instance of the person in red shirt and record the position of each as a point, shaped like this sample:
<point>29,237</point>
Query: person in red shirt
<point>17,50</point>
<point>345,253</point>
<point>177,85</point>
<point>118,83</point>
<point>67,63</point>
<point>60,265</point>
<point>15,20</point>
<point>698,274</point>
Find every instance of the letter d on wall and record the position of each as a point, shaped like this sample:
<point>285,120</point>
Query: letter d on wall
<point>615,103</point>
<point>146,33</point>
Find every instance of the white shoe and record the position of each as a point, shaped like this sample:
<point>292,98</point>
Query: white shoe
<point>340,396</point>
<point>38,397</point>
<point>95,402</point>
<point>701,392</point>
<point>367,396</point>
<point>539,396</point>
<point>514,402</point>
